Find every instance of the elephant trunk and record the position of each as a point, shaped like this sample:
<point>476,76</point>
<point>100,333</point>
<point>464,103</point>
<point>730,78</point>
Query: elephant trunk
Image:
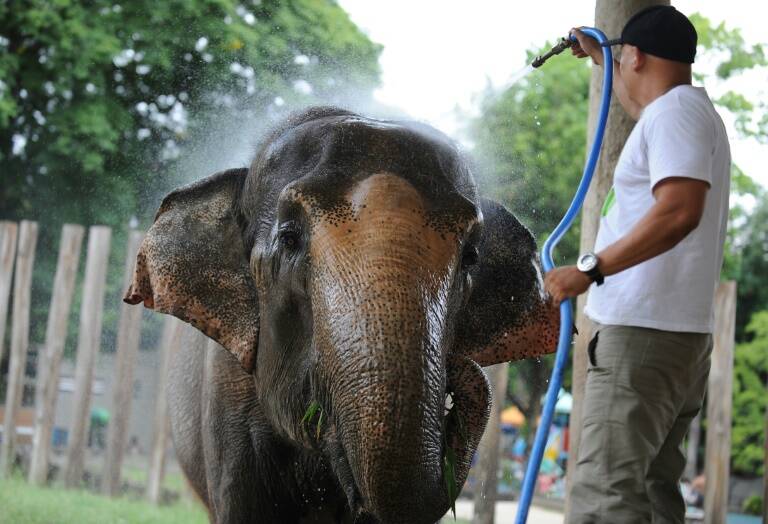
<point>381,284</point>
<point>384,374</point>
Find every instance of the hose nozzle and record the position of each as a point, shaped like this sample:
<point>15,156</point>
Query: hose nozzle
<point>561,46</point>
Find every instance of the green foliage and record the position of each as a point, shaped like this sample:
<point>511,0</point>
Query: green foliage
<point>107,98</point>
<point>750,370</point>
<point>312,410</point>
<point>735,57</point>
<point>449,474</point>
<point>453,418</point>
<point>753,505</point>
<point>748,237</point>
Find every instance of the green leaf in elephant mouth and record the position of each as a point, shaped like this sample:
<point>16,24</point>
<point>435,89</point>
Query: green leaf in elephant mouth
<point>313,409</point>
<point>449,474</point>
<point>452,419</point>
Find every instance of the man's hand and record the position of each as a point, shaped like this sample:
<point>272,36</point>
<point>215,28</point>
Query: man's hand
<point>586,46</point>
<point>566,282</point>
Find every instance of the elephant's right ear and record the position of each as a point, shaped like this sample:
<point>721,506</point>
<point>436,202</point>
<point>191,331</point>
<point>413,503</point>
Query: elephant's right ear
<point>508,316</point>
<point>192,265</point>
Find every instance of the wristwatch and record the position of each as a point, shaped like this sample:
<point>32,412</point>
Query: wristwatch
<point>587,264</point>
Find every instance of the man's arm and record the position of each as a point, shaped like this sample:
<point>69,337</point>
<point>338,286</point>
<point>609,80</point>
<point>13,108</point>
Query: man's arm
<point>677,211</point>
<point>586,46</point>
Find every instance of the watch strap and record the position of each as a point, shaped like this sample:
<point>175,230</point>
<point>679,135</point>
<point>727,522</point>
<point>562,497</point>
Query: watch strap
<point>595,275</point>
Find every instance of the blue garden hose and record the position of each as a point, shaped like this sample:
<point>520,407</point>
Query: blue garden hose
<point>566,316</point>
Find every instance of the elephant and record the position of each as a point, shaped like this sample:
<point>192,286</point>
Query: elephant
<point>357,283</point>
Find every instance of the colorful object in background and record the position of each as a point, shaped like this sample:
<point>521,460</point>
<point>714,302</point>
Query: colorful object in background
<point>512,417</point>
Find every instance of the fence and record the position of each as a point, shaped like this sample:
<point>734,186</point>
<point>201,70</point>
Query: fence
<point>18,242</point>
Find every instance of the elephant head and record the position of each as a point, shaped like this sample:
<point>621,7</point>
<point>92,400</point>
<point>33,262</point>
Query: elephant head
<point>353,267</point>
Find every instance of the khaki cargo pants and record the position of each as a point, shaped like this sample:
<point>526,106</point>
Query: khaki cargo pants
<point>644,386</point>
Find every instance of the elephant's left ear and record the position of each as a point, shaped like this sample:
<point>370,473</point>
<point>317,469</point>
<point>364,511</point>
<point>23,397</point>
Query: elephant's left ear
<point>192,264</point>
<point>507,316</point>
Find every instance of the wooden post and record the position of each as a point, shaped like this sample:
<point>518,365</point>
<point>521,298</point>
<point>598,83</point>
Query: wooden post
<point>22,298</point>
<point>719,403</point>
<point>49,360</point>
<point>128,335</point>
<point>692,449</point>
<point>171,341</point>
<point>89,339</point>
<point>488,452</point>
<point>8,233</point>
<point>610,17</point>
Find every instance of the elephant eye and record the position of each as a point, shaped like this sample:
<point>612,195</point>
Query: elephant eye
<point>289,236</point>
<point>470,257</point>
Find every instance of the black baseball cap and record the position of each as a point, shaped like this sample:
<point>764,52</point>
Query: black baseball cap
<point>660,30</point>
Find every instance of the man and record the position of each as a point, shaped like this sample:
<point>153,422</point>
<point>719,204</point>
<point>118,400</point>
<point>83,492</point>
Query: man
<point>652,276</point>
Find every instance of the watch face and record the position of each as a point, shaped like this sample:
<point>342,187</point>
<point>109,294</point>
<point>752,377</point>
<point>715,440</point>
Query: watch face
<point>587,262</point>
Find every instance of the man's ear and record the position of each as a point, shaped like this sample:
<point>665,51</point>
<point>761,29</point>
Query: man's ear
<point>192,264</point>
<point>637,57</point>
<point>507,316</point>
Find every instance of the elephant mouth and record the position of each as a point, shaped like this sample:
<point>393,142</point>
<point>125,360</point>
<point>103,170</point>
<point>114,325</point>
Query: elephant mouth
<point>465,406</point>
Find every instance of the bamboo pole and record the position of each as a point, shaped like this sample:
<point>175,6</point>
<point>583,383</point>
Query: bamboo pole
<point>22,298</point>
<point>719,403</point>
<point>49,360</point>
<point>488,452</point>
<point>89,339</point>
<point>8,234</point>
<point>128,335</point>
<point>171,342</point>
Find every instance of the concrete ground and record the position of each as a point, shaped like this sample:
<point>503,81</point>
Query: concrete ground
<point>505,513</point>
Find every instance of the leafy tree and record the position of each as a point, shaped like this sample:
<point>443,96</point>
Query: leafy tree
<point>736,58</point>
<point>101,101</point>
<point>749,398</point>
<point>748,261</point>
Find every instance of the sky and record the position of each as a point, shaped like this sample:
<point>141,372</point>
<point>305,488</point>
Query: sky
<point>440,54</point>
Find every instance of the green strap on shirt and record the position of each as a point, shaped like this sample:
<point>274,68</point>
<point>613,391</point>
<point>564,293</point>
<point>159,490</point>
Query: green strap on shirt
<point>609,201</point>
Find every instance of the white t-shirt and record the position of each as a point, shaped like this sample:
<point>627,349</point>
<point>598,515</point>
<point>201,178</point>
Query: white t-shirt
<point>678,135</point>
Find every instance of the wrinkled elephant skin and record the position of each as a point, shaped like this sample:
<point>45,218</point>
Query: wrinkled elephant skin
<point>356,280</point>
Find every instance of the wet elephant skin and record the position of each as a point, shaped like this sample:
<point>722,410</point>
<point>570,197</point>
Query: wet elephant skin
<point>352,269</point>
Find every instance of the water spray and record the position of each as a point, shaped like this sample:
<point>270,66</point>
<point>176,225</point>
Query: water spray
<point>566,315</point>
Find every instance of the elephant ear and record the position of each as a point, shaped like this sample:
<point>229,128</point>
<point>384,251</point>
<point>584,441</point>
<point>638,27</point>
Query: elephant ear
<point>192,264</point>
<point>507,316</point>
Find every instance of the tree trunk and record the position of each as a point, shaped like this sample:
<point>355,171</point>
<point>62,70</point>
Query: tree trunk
<point>610,17</point>
<point>488,451</point>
